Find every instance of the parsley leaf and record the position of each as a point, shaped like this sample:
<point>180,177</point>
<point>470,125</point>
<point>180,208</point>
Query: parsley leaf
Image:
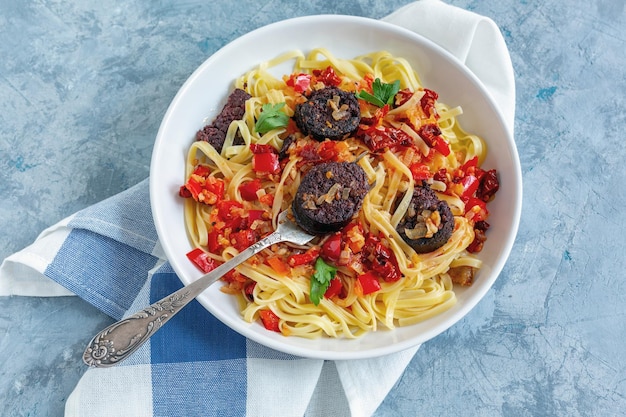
<point>383,93</point>
<point>320,280</point>
<point>271,118</point>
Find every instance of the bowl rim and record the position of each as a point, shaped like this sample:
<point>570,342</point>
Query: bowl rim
<point>372,24</point>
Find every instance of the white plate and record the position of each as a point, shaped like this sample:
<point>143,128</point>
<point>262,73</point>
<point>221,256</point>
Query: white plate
<point>205,92</point>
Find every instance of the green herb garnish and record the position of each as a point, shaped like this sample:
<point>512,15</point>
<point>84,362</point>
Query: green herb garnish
<point>320,280</point>
<point>271,118</point>
<point>383,93</point>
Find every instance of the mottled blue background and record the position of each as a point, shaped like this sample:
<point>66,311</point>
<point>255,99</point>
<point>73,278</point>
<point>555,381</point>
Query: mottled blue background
<point>84,85</point>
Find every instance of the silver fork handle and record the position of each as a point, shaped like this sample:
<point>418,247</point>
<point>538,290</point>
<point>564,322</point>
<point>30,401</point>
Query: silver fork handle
<point>119,340</point>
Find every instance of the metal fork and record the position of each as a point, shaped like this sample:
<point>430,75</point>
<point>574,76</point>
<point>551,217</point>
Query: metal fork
<point>119,340</point>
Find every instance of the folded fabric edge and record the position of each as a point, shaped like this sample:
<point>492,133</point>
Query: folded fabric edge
<point>22,273</point>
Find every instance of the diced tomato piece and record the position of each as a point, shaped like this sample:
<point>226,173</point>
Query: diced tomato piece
<point>242,239</point>
<point>334,288</point>
<point>369,283</point>
<point>278,265</point>
<point>270,320</point>
<point>304,258</point>
<point>202,260</point>
<point>266,162</point>
<point>331,249</point>
<point>248,190</point>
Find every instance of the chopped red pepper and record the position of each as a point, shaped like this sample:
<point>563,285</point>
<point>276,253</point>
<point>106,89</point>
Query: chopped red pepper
<point>299,82</point>
<point>214,241</point>
<point>202,260</point>
<point>369,283</point>
<point>489,185</point>
<point>249,290</point>
<point>304,258</point>
<point>431,134</point>
<point>478,214</point>
<point>380,259</point>
<point>278,265</point>
<point>331,249</point>
<point>266,162</point>
<point>270,320</point>
<point>242,239</point>
<point>207,190</point>
<point>248,190</point>
<point>328,76</point>
<point>334,288</point>
<point>428,102</point>
<point>267,199</point>
<point>470,185</point>
<point>255,215</point>
<point>229,210</point>
<point>258,148</point>
<point>420,171</point>
<point>441,146</point>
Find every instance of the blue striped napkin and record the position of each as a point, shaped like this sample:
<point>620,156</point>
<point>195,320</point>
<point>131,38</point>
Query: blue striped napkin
<point>109,255</point>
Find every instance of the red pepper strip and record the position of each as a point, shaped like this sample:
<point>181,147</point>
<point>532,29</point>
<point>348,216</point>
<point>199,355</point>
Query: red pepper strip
<point>470,185</point>
<point>304,258</point>
<point>331,249</point>
<point>369,283</point>
<point>470,163</point>
<point>270,320</point>
<point>202,260</point>
<point>441,146</point>
<point>265,162</point>
<point>213,241</point>
<point>334,288</point>
<point>248,190</point>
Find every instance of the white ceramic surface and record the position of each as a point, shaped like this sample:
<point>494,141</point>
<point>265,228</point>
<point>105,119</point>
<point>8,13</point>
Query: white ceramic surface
<point>205,92</point>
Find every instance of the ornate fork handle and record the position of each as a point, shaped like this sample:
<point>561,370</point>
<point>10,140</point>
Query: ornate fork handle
<point>119,340</point>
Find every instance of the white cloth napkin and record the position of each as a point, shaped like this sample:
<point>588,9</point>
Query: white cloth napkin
<point>275,385</point>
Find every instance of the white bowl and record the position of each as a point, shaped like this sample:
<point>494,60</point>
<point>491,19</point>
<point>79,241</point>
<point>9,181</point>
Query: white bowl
<point>203,95</point>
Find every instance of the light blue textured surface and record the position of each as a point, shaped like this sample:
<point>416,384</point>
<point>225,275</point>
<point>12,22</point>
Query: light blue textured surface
<point>84,85</point>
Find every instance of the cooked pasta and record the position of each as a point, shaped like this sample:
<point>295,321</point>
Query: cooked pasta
<point>238,195</point>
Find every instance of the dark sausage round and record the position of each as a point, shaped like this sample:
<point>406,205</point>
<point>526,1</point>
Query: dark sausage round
<point>329,195</point>
<point>413,227</point>
<point>328,113</point>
